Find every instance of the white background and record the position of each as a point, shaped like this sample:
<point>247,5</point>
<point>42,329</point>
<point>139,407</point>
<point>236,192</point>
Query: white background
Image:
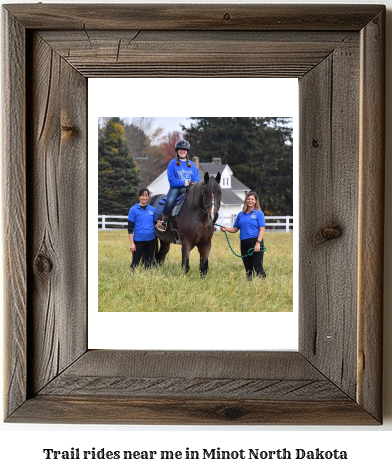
<point>368,447</point>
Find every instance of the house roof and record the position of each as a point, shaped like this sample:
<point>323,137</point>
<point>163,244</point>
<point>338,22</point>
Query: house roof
<point>212,168</point>
<point>237,185</point>
<point>230,198</point>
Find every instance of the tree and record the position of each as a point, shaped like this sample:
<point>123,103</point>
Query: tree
<point>157,159</point>
<point>168,145</point>
<point>145,144</point>
<point>118,174</point>
<point>257,149</point>
<point>139,144</point>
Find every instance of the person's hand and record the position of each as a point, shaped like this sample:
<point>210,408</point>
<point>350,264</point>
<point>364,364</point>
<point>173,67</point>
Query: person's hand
<point>186,183</point>
<point>132,248</point>
<point>257,247</point>
<point>223,228</point>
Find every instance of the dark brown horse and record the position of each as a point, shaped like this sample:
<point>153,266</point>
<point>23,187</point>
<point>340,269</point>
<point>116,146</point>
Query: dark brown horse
<point>193,227</point>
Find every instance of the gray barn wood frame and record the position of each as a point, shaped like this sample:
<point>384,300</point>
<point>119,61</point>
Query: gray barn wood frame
<point>337,53</point>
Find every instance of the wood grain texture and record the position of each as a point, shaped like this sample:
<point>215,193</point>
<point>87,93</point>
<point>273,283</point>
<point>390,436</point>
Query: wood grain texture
<point>127,53</point>
<point>14,212</point>
<point>191,388</point>
<point>208,364</point>
<point>335,378</point>
<point>193,17</point>
<point>206,374</point>
<point>371,215</point>
<point>57,211</point>
<point>102,409</point>
<point>329,167</point>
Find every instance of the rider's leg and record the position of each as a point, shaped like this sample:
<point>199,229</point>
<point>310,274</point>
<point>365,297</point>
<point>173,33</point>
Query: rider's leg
<point>171,199</point>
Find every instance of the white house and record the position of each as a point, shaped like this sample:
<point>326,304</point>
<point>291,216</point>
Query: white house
<point>233,191</point>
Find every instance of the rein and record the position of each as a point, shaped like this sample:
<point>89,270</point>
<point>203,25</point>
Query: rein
<point>249,253</point>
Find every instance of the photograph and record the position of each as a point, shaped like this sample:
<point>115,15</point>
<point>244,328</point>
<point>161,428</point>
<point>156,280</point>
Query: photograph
<point>201,207</point>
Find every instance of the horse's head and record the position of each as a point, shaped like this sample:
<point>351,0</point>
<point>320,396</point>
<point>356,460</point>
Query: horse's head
<point>211,195</point>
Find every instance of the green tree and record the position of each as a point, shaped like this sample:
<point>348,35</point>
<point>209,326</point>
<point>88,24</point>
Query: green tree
<point>257,149</point>
<point>118,174</point>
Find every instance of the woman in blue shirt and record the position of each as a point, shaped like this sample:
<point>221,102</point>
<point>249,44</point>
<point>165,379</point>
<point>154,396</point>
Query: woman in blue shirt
<point>251,224</point>
<point>142,219</point>
<point>180,173</point>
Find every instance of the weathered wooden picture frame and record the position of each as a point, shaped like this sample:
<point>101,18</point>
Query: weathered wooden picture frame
<point>338,54</point>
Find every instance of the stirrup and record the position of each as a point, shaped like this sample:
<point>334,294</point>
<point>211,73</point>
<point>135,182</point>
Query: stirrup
<point>164,224</point>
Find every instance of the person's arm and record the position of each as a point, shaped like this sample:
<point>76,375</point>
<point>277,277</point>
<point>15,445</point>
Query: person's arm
<point>131,227</point>
<point>132,246</point>
<point>260,237</point>
<point>233,229</point>
<point>236,226</point>
<point>261,224</point>
<point>173,177</point>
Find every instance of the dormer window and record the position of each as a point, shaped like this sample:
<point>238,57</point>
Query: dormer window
<point>226,182</point>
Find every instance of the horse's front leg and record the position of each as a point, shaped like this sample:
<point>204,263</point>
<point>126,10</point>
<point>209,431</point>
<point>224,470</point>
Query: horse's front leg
<point>204,251</point>
<point>186,250</point>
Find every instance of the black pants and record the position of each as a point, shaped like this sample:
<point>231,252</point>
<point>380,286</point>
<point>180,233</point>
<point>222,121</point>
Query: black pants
<point>145,249</point>
<point>254,263</point>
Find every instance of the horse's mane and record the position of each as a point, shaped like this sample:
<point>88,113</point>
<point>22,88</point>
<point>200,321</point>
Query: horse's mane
<point>194,196</point>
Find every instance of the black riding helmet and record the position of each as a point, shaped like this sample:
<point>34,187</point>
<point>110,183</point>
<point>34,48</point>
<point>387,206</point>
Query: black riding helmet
<point>183,144</point>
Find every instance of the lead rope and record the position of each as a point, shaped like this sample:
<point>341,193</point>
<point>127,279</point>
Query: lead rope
<point>249,253</point>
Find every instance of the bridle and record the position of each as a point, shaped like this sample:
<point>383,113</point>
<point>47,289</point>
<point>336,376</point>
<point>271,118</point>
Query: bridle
<point>203,192</point>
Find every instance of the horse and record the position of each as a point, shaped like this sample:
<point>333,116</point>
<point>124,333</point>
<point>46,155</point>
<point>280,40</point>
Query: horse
<point>193,227</point>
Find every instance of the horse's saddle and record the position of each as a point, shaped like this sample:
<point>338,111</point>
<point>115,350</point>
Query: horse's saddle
<point>160,202</point>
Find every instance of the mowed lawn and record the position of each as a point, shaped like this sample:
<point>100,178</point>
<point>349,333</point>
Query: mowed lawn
<point>167,288</point>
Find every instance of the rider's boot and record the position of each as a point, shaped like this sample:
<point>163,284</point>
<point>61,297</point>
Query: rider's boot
<point>162,227</point>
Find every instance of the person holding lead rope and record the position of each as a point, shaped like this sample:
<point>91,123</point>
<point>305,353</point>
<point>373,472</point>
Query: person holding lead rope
<point>251,224</point>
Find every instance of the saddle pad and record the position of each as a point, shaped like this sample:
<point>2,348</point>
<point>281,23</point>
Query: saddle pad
<point>160,202</point>
<point>179,199</point>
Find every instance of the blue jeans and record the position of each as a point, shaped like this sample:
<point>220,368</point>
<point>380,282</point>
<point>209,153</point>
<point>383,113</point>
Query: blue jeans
<point>171,199</point>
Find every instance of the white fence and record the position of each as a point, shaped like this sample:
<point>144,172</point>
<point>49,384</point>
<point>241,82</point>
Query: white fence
<point>273,223</point>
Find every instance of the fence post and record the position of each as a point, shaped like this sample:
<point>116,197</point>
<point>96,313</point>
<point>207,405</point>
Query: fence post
<point>287,224</point>
<point>103,222</point>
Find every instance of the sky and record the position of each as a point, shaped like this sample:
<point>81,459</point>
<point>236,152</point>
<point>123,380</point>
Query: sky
<point>170,124</point>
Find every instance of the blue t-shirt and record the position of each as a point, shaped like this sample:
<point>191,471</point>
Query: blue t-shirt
<point>144,222</point>
<point>249,224</point>
<point>177,175</point>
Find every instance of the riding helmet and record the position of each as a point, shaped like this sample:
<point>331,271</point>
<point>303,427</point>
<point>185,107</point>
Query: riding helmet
<point>183,144</point>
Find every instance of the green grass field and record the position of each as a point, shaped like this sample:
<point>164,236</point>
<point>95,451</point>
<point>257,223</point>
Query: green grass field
<point>167,288</point>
